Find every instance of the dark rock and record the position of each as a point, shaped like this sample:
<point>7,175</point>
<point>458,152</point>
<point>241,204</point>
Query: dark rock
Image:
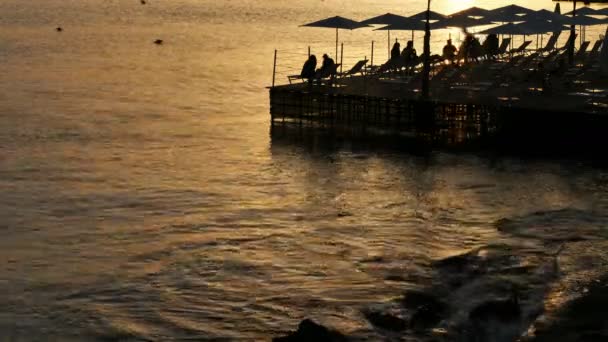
<point>385,320</point>
<point>426,317</point>
<point>309,330</point>
<point>429,310</point>
<point>502,310</point>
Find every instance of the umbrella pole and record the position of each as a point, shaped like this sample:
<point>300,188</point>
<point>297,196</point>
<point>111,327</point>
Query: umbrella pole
<point>388,45</point>
<point>412,36</point>
<point>372,61</point>
<point>341,56</point>
<point>336,55</point>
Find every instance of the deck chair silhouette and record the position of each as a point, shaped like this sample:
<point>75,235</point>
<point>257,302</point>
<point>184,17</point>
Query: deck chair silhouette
<point>504,45</point>
<point>358,67</point>
<point>551,42</point>
<point>582,50</point>
<point>571,40</point>
<point>328,73</point>
<point>595,50</point>
<point>521,48</point>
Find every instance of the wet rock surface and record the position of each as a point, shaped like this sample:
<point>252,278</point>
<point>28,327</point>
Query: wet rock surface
<point>309,330</point>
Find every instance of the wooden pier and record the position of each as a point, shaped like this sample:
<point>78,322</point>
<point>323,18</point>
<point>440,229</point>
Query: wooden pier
<point>461,109</point>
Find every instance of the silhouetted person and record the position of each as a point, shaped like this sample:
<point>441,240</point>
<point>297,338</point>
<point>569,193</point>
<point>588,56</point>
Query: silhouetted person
<point>309,69</point>
<point>327,68</point>
<point>409,55</point>
<point>396,50</point>
<point>59,29</point>
<point>475,49</point>
<point>490,46</point>
<point>158,42</point>
<point>449,51</point>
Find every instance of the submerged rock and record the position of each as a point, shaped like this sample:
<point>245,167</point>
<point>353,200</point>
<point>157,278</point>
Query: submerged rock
<point>309,330</point>
<point>429,310</point>
<point>385,320</point>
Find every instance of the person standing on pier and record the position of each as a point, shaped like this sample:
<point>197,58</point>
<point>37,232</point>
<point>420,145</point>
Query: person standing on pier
<point>449,52</point>
<point>309,69</point>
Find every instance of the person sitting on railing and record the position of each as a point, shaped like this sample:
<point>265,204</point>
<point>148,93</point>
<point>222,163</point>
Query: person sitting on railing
<point>490,46</point>
<point>409,55</point>
<point>309,69</point>
<point>449,51</point>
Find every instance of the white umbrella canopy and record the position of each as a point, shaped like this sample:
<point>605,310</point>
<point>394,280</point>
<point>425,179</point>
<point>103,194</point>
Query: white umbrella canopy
<point>337,22</point>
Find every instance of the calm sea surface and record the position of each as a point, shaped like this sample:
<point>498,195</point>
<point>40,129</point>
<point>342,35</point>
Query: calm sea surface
<point>143,196</point>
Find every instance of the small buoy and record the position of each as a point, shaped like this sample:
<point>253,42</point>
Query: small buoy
<point>158,41</point>
<point>59,29</point>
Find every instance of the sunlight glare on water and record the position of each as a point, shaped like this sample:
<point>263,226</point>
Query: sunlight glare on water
<point>144,197</point>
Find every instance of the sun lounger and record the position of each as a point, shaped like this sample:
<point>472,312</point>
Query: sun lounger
<point>550,46</point>
<point>502,49</point>
<point>595,50</point>
<point>581,51</point>
<point>522,48</point>
<point>358,67</point>
<point>329,72</point>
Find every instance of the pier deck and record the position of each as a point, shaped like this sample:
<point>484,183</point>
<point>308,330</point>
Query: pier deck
<point>465,103</point>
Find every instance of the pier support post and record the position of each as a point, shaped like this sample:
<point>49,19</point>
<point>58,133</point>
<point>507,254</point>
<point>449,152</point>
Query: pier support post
<point>426,66</point>
<point>274,67</point>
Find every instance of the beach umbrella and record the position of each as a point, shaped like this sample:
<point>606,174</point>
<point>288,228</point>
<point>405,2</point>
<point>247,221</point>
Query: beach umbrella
<point>544,15</point>
<point>337,23</point>
<point>508,13</point>
<point>461,21</point>
<point>433,16</point>
<point>387,19</point>
<point>585,11</point>
<point>507,29</point>
<point>602,11</point>
<point>539,27</point>
<point>471,12</point>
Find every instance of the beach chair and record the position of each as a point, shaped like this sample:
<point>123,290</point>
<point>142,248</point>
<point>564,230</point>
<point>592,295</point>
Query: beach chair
<point>329,73</point>
<point>522,48</point>
<point>502,49</point>
<point>550,46</point>
<point>358,67</point>
<point>595,50</point>
<point>581,51</point>
<point>571,40</point>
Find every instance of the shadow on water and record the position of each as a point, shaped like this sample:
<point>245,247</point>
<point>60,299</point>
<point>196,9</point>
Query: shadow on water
<point>525,144</point>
